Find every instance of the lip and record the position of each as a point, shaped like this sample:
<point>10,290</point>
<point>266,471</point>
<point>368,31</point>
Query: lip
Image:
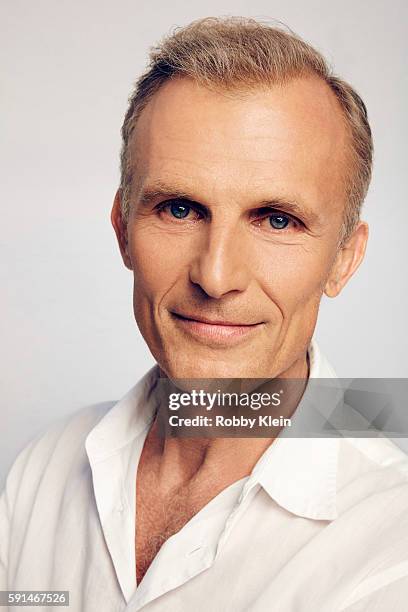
<point>215,331</point>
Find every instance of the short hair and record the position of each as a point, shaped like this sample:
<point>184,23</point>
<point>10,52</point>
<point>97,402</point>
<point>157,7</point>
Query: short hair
<point>238,54</point>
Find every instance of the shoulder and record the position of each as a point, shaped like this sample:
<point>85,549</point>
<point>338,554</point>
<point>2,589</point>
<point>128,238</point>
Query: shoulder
<point>59,453</point>
<point>376,458</point>
<point>372,496</point>
<point>38,476</point>
<point>373,520</point>
<point>56,448</point>
<point>371,467</point>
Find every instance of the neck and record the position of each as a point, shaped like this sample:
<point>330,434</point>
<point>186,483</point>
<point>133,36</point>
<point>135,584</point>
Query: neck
<point>178,461</point>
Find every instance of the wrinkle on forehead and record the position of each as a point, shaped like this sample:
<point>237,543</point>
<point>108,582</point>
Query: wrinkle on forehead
<point>293,133</point>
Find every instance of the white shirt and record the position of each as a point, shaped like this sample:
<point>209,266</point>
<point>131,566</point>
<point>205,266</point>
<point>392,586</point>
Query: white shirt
<point>320,525</point>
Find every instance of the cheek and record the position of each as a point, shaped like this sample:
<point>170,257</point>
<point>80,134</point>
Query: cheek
<point>156,262</point>
<point>292,276</point>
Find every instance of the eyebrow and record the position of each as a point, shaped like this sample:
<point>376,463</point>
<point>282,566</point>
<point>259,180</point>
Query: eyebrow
<point>149,194</point>
<point>291,206</point>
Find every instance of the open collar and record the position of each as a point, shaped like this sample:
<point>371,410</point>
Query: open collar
<point>300,473</point>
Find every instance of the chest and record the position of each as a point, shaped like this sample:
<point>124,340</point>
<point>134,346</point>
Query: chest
<point>159,516</point>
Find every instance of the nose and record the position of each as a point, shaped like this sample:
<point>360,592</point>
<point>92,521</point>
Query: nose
<point>219,266</point>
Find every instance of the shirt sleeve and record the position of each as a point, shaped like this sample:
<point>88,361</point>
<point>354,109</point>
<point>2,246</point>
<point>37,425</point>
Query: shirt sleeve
<point>4,541</point>
<point>7,505</point>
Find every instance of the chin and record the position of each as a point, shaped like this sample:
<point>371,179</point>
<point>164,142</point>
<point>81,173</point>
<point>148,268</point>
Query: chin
<point>210,367</point>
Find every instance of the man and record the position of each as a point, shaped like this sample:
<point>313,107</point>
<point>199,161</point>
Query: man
<point>244,167</point>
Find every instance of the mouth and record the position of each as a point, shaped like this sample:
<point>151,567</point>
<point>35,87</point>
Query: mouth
<point>213,330</point>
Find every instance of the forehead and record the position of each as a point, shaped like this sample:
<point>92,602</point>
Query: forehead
<point>289,139</point>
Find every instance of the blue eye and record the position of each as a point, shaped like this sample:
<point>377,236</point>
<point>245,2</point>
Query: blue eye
<point>278,221</point>
<point>180,211</point>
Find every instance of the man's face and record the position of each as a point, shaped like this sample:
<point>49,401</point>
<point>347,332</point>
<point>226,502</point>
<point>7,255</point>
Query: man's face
<point>236,210</point>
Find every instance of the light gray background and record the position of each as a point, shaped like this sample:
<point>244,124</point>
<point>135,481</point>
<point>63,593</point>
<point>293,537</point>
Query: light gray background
<point>68,337</point>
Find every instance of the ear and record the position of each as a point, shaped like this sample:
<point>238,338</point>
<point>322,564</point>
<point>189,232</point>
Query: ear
<point>120,228</point>
<point>347,260</point>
